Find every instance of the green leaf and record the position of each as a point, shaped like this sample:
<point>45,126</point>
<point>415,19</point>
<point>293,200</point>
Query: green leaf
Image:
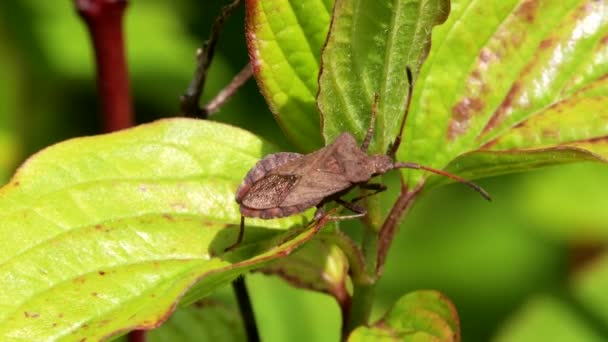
<point>285,39</point>
<point>481,163</point>
<point>418,316</point>
<point>323,265</point>
<point>319,266</point>
<point>550,318</point>
<point>205,320</point>
<point>369,46</point>
<point>104,234</point>
<point>510,79</point>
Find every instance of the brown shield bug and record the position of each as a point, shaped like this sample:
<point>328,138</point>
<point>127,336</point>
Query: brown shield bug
<point>285,183</point>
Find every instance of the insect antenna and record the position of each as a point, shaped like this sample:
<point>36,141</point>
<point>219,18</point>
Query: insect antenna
<point>392,148</point>
<point>468,183</point>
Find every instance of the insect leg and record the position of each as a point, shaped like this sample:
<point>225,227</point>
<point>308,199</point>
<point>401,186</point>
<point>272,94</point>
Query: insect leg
<point>372,123</point>
<point>319,213</point>
<point>377,187</point>
<point>468,183</point>
<point>359,211</point>
<point>239,237</point>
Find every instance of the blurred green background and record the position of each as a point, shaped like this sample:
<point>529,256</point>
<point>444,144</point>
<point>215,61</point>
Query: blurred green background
<point>509,266</point>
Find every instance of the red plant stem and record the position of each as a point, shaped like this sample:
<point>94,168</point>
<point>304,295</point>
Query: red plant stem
<point>104,21</point>
<point>137,336</point>
<point>391,224</point>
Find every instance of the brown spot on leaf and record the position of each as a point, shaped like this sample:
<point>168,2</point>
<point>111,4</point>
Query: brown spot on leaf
<point>31,314</point>
<point>546,43</point>
<point>604,40</point>
<point>102,228</point>
<point>486,56</point>
<point>528,10</point>
<point>169,217</point>
<point>550,133</point>
<point>477,82</point>
<point>101,273</point>
<point>476,74</point>
<point>501,112</point>
<point>94,294</point>
<point>462,112</point>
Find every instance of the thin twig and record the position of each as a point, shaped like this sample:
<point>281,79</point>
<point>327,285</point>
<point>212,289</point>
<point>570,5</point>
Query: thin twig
<point>389,227</point>
<point>189,101</point>
<point>225,94</point>
<point>242,297</point>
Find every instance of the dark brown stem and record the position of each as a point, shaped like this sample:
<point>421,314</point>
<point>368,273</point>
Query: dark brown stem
<point>390,225</point>
<point>104,21</point>
<point>189,101</point>
<point>242,297</point>
<point>225,94</point>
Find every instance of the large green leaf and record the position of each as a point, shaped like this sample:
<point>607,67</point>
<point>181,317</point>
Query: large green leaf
<point>417,316</point>
<point>513,80</point>
<point>369,46</point>
<point>104,234</point>
<point>285,38</point>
